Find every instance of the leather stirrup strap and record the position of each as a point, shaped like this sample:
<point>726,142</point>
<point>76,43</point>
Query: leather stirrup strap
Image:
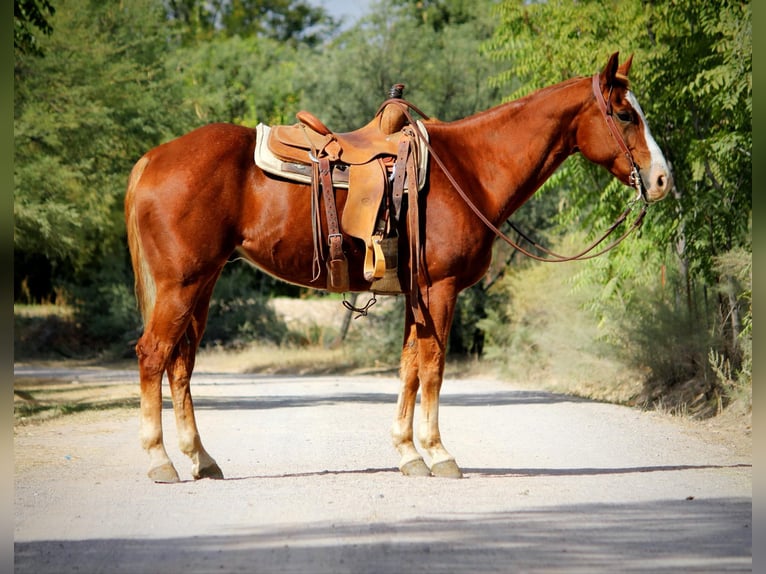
<point>334,237</point>
<point>400,173</point>
<point>337,264</point>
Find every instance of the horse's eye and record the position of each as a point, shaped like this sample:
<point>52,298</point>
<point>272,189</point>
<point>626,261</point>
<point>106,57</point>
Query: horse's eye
<point>624,116</point>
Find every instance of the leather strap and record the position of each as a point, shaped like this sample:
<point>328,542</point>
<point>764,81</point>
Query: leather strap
<point>400,173</point>
<point>413,213</point>
<point>316,225</point>
<point>606,111</point>
<point>337,264</point>
<point>334,237</point>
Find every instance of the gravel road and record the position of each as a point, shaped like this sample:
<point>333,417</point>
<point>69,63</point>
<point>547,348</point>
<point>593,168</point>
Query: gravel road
<point>553,484</point>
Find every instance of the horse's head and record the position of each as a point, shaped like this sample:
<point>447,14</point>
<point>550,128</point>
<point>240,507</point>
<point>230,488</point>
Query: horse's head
<point>616,134</point>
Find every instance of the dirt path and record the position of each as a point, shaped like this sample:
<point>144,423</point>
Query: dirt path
<point>552,484</point>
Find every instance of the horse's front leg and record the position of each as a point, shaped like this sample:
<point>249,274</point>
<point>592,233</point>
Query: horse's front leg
<point>411,462</point>
<point>432,349</point>
<point>423,359</point>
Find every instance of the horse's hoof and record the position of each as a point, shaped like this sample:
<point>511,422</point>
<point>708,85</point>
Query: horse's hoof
<point>213,471</point>
<point>415,468</point>
<point>446,469</point>
<point>164,473</point>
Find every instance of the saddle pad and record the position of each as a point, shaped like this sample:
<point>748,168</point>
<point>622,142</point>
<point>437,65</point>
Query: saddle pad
<point>299,172</point>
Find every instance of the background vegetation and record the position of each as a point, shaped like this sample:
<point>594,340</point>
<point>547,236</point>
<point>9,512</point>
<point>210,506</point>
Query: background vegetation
<point>665,319</point>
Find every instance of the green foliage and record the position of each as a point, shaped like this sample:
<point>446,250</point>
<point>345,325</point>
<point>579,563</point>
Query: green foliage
<point>83,114</point>
<point>106,314</point>
<point>735,268</point>
<point>444,71</point>
<point>708,110</point>
<point>540,329</point>
<point>286,21</point>
<point>439,14</point>
<point>282,20</point>
<point>240,80</point>
<point>692,73</point>
<point>28,15</point>
<point>548,42</point>
<point>379,343</point>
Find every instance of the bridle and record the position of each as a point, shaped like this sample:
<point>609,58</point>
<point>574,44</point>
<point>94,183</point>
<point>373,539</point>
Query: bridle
<point>552,257</point>
<point>606,111</point>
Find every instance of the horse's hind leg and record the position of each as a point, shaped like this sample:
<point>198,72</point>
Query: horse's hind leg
<point>153,350</point>
<point>169,321</point>
<point>179,376</point>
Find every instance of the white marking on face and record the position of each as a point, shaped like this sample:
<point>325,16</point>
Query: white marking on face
<point>657,178</point>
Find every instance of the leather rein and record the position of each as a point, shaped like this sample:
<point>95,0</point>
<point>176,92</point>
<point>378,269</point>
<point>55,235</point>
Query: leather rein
<point>587,253</point>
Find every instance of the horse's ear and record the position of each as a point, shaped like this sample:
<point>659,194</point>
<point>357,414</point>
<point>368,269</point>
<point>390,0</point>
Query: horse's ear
<point>610,71</point>
<point>624,68</point>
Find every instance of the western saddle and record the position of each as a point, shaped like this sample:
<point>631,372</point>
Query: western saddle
<point>378,164</point>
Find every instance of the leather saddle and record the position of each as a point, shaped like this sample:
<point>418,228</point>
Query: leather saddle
<point>311,138</point>
<point>378,163</point>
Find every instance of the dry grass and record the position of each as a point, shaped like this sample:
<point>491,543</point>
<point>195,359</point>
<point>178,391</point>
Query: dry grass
<point>38,400</point>
<point>267,359</point>
<point>315,325</point>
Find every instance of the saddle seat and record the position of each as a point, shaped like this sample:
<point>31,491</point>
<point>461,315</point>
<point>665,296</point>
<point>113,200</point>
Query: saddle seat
<point>310,138</point>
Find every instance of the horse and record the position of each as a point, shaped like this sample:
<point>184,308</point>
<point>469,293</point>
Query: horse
<point>194,201</point>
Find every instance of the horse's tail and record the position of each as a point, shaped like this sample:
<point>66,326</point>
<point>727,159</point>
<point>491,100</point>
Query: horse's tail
<point>144,281</point>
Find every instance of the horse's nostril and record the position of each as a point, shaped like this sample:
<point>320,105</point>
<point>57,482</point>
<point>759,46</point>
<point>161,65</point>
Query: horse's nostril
<point>661,182</point>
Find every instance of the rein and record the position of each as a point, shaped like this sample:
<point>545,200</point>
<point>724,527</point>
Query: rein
<point>635,180</point>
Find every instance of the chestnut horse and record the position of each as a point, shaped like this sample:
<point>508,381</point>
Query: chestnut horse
<point>195,200</point>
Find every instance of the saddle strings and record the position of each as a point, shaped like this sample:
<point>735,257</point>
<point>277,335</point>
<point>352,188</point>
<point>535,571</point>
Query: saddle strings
<point>362,311</point>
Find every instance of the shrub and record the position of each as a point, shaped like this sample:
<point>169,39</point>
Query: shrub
<point>240,313</point>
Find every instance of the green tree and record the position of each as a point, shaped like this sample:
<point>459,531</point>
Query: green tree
<point>443,69</point>
<point>240,80</point>
<point>28,15</point>
<point>83,114</point>
<point>292,21</point>
<point>438,14</point>
<point>693,75</point>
